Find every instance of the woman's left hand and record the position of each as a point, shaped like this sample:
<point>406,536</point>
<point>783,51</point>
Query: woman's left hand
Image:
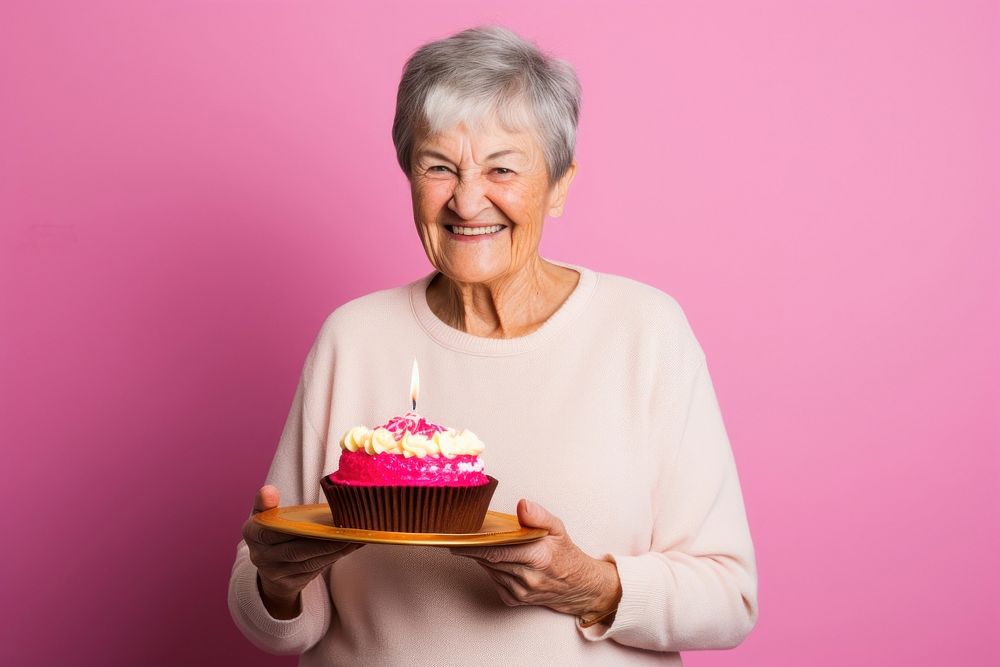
<point>552,571</point>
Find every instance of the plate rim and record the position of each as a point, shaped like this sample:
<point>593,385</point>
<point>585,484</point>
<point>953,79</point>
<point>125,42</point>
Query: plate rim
<point>273,520</point>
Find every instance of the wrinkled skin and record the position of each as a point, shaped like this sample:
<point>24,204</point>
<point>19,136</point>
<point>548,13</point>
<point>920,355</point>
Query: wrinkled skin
<point>552,571</point>
<point>496,285</point>
<point>285,564</point>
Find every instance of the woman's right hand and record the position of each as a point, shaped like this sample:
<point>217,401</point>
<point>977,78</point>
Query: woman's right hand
<point>285,564</point>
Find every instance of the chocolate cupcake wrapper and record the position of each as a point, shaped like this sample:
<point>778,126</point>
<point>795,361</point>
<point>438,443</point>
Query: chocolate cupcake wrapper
<point>409,509</point>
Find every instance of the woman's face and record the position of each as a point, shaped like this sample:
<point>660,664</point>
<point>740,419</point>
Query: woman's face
<point>479,200</point>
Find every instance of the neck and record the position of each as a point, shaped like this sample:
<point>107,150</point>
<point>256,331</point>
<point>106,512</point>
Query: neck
<point>507,307</point>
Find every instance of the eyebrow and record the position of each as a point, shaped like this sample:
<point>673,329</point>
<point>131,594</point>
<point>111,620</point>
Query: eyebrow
<point>491,156</point>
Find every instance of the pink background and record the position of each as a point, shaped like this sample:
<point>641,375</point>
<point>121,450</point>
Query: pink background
<point>188,188</point>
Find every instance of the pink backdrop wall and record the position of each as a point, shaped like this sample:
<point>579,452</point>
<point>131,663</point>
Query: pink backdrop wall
<point>188,188</point>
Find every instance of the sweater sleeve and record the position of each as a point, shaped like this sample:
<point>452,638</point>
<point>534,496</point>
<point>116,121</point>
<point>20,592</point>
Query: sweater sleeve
<point>298,446</point>
<point>696,588</point>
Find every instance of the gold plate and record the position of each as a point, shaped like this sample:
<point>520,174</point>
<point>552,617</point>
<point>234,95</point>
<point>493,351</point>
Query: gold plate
<point>317,521</point>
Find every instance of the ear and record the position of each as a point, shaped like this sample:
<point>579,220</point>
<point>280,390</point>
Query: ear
<point>559,191</point>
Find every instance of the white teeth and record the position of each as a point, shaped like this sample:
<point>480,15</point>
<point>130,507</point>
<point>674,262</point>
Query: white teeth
<point>475,231</point>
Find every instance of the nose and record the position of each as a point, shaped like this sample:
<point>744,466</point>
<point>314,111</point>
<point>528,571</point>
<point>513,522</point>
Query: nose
<point>468,199</point>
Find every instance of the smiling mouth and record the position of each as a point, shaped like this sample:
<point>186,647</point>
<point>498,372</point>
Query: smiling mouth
<point>459,230</point>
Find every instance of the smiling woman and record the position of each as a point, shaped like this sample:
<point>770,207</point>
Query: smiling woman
<point>591,388</point>
<point>489,154</point>
<point>480,199</point>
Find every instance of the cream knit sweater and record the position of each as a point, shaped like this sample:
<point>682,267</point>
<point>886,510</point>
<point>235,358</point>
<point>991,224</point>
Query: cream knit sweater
<point>605,415</point>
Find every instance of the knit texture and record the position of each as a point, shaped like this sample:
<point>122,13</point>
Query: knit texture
<point>605,415</point>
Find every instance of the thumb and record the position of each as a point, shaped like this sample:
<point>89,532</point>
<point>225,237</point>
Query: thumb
<point>533,515</point>
<point>267,498</point>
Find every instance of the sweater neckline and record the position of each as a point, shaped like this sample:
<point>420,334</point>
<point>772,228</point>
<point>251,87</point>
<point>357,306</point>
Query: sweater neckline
<point>461,341</point>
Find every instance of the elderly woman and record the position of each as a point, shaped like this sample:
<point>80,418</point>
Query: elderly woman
<point>590,390</point>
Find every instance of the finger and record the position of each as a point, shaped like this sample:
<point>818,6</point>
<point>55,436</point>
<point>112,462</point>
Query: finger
<point>254,532</point>
<point>510,590</point>
<point>289,571</point>
<point>515,570</point>
<point>471,552</point>
<point>506,554</point>
<point>507,598</point>
<point>283,572</point>
<point>533,515</point>
<point>267,498</point>
<point>322,561</point>
<point>301,549</point>
<point>485,555</point>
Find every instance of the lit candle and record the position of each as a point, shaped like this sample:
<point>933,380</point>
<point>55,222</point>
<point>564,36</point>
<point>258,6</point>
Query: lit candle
<point>414,385</point>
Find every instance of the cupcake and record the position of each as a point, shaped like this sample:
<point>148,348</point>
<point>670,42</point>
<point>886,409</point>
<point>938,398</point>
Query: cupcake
<point>409,475</point>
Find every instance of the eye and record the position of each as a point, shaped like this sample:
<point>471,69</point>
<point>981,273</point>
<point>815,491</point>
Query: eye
<point>503,171</point>
<point>438,169</point>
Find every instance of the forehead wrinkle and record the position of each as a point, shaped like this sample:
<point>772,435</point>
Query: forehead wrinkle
<point>491,156</point>
<point>464,143</point>
<point>440,156</point>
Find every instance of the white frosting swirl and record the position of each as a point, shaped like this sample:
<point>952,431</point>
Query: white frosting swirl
<point>445,441</point>
<point>356,438</point>
<point>414,444</point>
<point>468,442</point>
<point>382,441</point>
<point>449,443</point>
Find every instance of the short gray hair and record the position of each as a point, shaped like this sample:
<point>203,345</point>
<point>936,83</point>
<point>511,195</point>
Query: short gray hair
<point>488,72</point>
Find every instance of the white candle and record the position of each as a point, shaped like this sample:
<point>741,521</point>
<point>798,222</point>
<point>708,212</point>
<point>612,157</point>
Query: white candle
<point>414,385</point>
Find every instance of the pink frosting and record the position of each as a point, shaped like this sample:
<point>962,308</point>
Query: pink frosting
<point>413,423</point>
<point>361,469</point>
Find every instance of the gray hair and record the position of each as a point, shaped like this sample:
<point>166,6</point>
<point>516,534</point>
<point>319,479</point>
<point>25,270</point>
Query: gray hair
<point>484,73</point>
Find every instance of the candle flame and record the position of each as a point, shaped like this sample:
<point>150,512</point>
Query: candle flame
<point>414,384</point>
